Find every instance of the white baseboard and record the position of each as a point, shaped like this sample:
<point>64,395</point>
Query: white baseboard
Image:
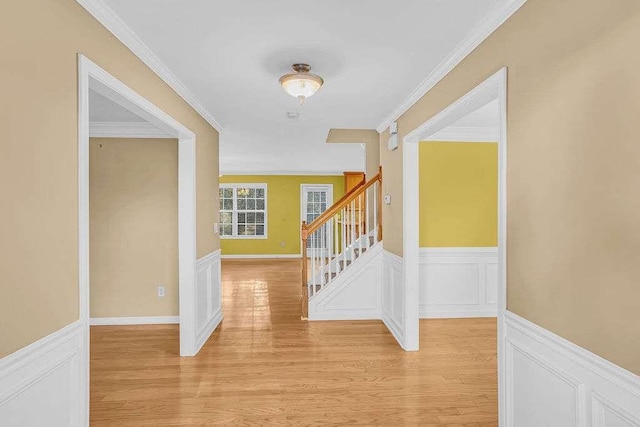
<point>458,282</point>
<point>262,256</point>
<point>553,382</point>
<point>392,295</point>
<point>354,294</point>
<point>40,385</point>
<point>138,320</point>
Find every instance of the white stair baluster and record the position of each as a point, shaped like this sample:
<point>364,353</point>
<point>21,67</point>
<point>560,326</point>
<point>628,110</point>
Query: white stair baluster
<point>359,226</point>
<point>375,213</point>
<point>313,263</point>
<point>336,242</point>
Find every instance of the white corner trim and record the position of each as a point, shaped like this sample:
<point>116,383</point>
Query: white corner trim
<point>465,134</point>
<point>125,130</point>
<point>262,256</point>
<point>112,22</point>
<point>142,320</point>
<point>500,14</point>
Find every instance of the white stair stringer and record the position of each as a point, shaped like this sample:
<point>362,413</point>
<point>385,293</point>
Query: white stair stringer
<point>355,293</point>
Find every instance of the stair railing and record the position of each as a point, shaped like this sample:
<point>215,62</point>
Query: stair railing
<point>340,235</point>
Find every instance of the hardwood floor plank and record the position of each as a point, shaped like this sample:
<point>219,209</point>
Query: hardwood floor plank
<point>264,366</point>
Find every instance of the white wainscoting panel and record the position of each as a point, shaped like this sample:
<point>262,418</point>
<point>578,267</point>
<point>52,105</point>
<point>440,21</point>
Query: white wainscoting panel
<point>354,294</point>
<point>40,384</point>
<point>458,282</point>
<point>392,295</point>
<point>553,382</point>
<point>208,299</point>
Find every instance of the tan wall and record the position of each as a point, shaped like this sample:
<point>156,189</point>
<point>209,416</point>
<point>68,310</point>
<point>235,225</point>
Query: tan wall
<point>573,162</point>
<point>133,226</point>
<point>372,157</point>
<point>38,168</point>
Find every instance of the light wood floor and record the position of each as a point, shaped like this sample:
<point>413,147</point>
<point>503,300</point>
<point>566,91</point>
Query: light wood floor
<point>264,366</point>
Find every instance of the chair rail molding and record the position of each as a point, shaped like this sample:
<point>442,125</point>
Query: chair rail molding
<point>41,384</point>
<point>554,382</point>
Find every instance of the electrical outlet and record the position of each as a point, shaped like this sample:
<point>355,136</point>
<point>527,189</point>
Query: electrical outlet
<point>283,244</point>
<point>160,291</point>
<point>216,228</point>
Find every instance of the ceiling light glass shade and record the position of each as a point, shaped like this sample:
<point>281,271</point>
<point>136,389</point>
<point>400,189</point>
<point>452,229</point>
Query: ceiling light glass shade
<point>301,84</point>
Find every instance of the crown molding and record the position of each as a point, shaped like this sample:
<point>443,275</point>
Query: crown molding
<point>112,22</point>
<point>465,134</point>
<point>125,130</point>
<point>480,32</point>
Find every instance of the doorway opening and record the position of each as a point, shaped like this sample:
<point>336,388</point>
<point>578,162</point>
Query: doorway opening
<point>314,200</point>
<point>94,79</point>
<point>492,89</point>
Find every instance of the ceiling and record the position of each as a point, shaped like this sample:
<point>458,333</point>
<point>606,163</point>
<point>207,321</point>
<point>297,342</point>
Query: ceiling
<point>104,110</point>
<point>371,54</point>
<point>483,117</point>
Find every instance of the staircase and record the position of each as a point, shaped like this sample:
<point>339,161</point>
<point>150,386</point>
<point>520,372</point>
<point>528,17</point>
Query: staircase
<point>341,236</point>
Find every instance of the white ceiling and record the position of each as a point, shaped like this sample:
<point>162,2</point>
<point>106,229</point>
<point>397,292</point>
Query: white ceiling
<point>480,125</point>
<point>483,117</point>
<point>103,110</point>
<point>371,54</point>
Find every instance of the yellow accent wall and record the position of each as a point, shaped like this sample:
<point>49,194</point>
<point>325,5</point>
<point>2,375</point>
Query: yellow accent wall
<point>283,213</point>
<point>458,194</point>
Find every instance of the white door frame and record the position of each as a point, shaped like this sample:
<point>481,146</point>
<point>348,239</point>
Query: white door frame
<point>90,75</point>
<point>303,208</point>
<point>495,87</point>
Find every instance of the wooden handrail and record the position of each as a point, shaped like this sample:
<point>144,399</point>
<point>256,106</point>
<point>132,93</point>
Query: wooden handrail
<point>307,229</point>
<point>336,207</point>
<point>350,192</point>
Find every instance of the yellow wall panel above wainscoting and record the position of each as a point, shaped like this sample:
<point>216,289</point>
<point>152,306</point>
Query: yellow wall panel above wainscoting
<point>458,194</point>
<point>283,213</point>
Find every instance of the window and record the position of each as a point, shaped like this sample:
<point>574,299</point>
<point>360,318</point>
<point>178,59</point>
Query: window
<point>243,211</point>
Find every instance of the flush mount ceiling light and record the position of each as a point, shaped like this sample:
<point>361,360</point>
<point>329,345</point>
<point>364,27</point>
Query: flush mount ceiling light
<point>301,83</point>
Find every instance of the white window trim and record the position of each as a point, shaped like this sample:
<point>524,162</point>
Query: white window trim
<point>234,211</point>
<point>304,188</point>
